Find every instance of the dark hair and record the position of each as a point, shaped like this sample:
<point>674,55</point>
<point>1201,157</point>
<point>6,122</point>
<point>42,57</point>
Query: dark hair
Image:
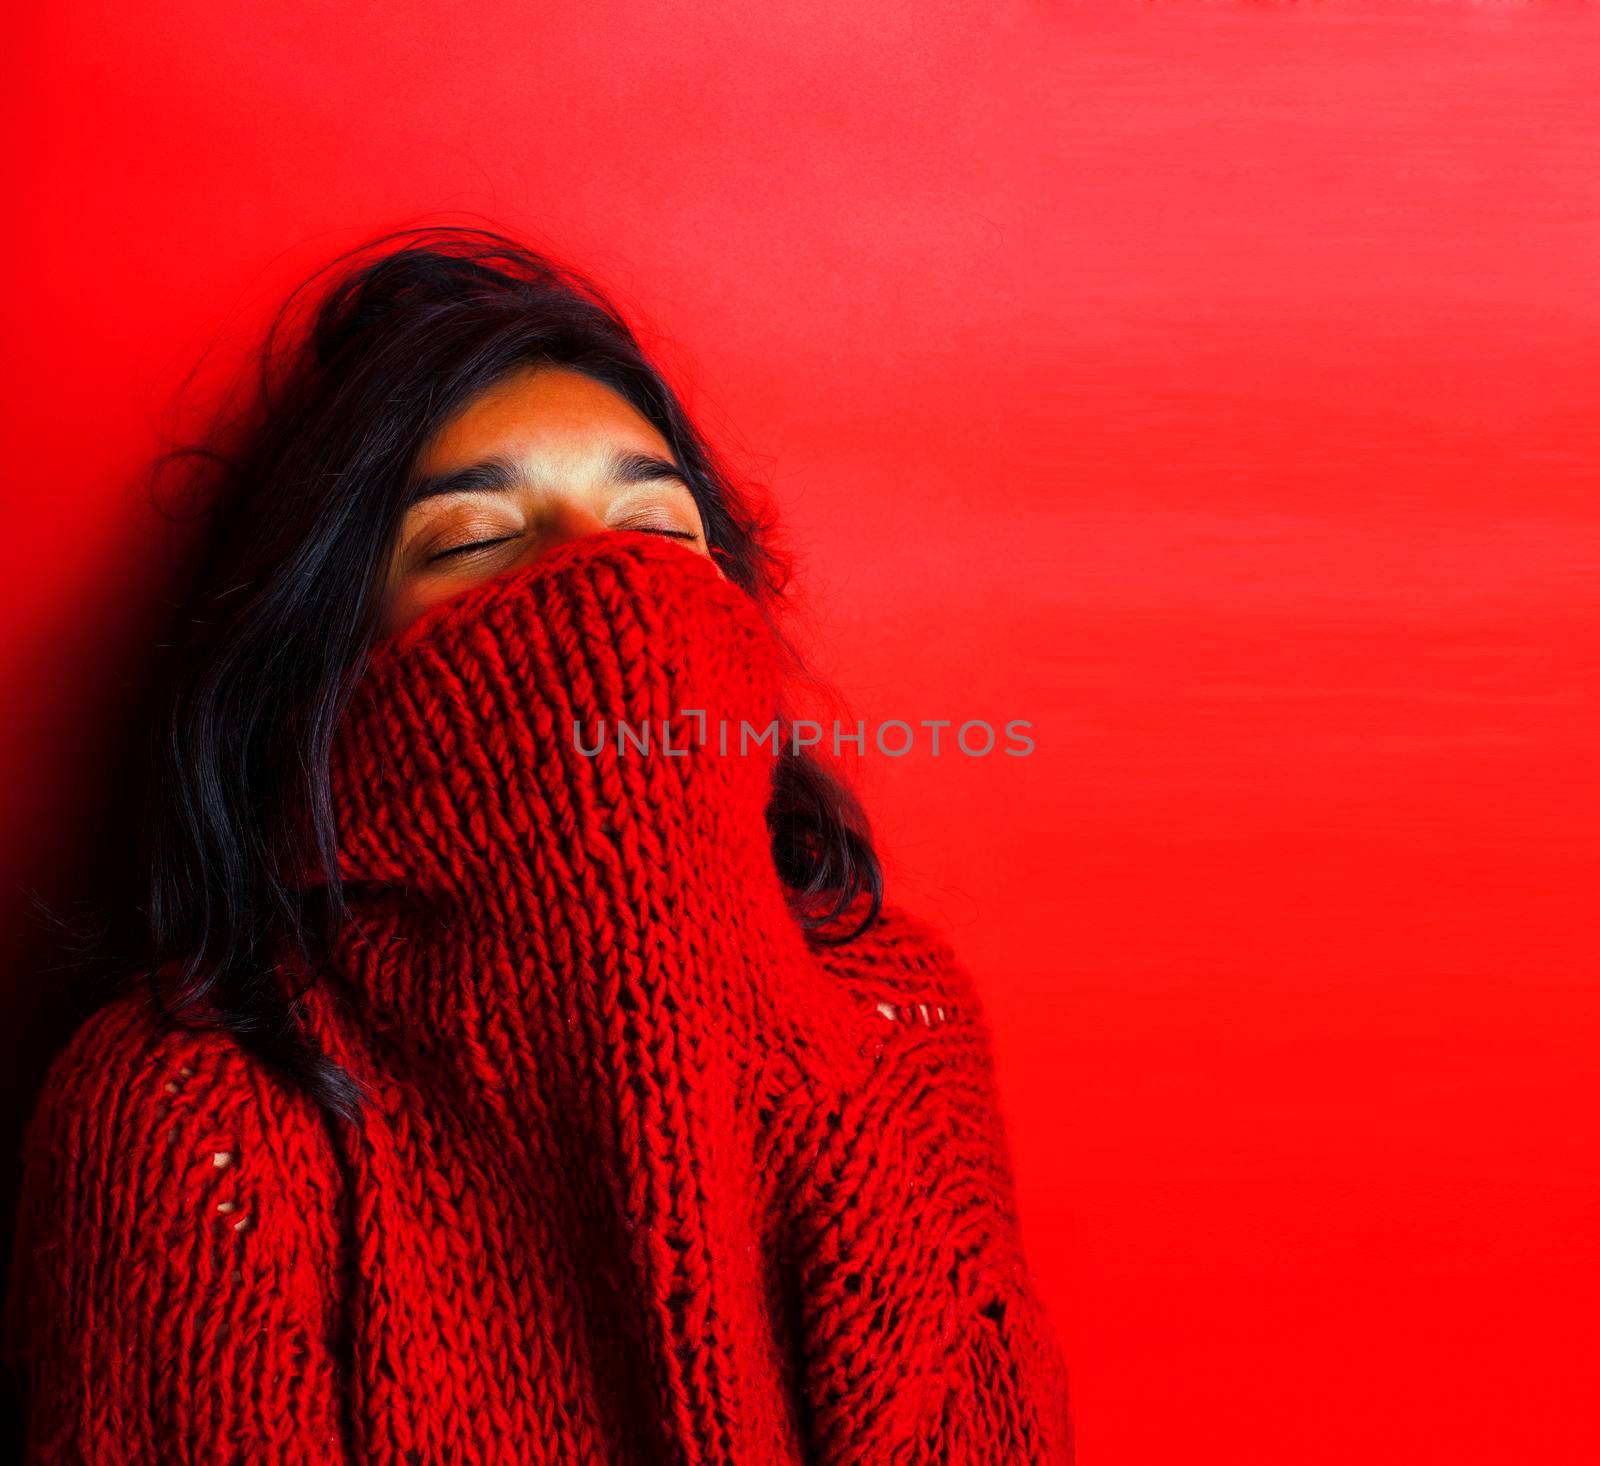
<point>302,495</point>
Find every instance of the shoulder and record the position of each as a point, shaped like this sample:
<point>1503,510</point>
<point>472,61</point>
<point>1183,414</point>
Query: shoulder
<point>177,1243</point>
<point>139,1105</point>
<point>131,1064</point>
<point>901,937</point>
<point>904,962</point>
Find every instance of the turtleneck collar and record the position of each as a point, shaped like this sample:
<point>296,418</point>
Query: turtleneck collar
<point>505,724</point>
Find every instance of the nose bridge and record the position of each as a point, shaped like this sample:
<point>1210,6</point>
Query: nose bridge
<point>566,517</point>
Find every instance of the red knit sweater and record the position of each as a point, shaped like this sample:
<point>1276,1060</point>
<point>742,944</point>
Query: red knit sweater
<point>646,1175</point>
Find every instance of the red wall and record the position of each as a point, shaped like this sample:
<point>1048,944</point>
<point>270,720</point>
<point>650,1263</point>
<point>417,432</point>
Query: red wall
<point>1214,385</point>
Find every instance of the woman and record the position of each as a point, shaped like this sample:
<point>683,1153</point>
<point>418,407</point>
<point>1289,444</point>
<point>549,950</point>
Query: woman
<point>526,1065</point>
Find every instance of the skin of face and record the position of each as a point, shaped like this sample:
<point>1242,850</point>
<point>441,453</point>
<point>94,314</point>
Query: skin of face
<point>561,442</point>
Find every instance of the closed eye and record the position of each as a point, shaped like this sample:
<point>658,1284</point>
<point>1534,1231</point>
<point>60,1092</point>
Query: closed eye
<point>657,519</point>
<point>464,549</point>
<point>474,545</point>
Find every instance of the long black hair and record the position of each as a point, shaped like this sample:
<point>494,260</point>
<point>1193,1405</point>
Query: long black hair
<point>302,493</point>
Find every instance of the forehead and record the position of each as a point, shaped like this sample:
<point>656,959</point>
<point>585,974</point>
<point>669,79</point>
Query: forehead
<point>539,413</point>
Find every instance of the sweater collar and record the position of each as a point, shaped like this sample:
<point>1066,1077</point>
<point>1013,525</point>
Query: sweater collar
<point>503,726</point>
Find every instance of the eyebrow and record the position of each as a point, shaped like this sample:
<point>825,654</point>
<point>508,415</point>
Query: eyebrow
<point>498,474</point>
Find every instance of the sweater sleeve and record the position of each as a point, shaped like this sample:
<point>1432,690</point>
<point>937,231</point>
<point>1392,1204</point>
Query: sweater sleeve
<point>923,1329</point>
<point>172,1282</point>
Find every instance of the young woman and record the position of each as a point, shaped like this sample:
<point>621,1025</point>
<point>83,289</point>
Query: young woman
<point>524,1063</point>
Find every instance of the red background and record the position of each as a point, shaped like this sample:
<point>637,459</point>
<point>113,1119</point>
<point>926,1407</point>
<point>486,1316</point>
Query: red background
<point>1213,384</point>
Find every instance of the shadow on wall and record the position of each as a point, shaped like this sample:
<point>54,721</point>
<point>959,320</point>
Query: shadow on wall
<point>75,858</point>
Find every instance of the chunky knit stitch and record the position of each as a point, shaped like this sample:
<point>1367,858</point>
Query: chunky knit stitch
<point>647,1174</point>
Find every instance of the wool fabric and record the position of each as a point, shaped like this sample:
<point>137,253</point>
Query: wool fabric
<point>647,1173</point>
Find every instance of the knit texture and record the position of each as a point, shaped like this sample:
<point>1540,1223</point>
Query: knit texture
<point>647,1175</point>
